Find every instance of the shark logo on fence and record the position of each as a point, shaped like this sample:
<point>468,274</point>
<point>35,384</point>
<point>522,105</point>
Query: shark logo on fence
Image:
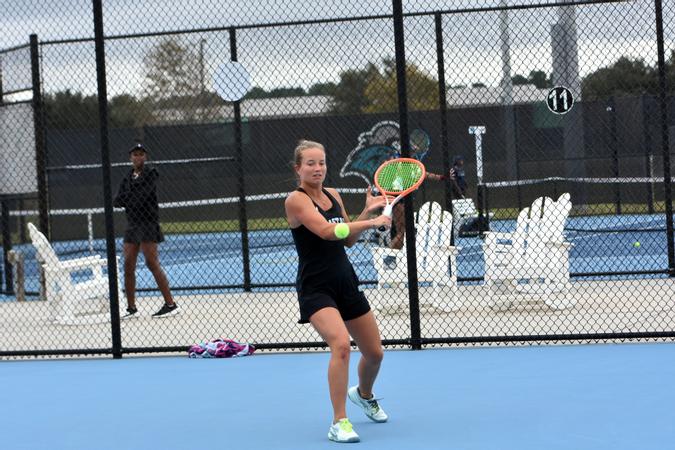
<point>379,144</point>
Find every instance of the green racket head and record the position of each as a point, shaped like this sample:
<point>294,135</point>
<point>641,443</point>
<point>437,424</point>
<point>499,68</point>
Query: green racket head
<point>398,175</point>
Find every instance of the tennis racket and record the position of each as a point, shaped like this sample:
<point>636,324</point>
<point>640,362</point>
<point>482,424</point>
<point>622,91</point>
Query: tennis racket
<point>398,178</point>
<point>420,142</point>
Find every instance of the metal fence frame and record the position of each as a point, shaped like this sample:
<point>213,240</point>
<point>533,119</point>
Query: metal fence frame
<point>416,340</point>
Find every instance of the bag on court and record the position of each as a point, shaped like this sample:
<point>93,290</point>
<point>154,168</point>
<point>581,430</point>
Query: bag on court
<point>220,348</point>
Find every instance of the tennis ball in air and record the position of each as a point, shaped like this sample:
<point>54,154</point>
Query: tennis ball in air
<point>636,244</point>
<point>341,230</point>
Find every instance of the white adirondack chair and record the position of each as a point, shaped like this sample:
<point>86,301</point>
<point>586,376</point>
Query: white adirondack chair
<point>463,211</point>
<point>534,259</point>
<point>73,302</point>
<point>436,258</point>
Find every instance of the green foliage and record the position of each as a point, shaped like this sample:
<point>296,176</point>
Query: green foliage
<point>628,76</point>
<point>323,89</point>
<point>126,111</point>
<point>625,77</point>
<point>519,79</point>
<point>172,69</point>
<point>258,92</point>
<point>68,110</point>
<point>382,89</point>
<point>350,92</point>
<point>537,77</point>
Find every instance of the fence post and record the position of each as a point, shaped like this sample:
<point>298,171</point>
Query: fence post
<point>40,147</point>
<point>6,245</point>
<point>443,109</point>
<point>413,291</point>
<point>243,216</point>
<point>17,260</point>
<point>107,188</point>
<point>665,143</point>
<point>649,154</point>
<point>614,144</point>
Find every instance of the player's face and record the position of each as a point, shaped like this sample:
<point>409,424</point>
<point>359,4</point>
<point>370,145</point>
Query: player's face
<point>137,158</point>
<point>312,169</point>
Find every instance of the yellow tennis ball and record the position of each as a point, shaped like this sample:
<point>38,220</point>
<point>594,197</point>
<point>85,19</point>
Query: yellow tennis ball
<point>636,244</point>
<point>341,230</point>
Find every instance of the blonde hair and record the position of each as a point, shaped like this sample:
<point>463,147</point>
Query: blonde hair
<point>304,144</point>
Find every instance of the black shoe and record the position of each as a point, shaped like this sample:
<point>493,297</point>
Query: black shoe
<point>131,313</point>
<point>166,311</point>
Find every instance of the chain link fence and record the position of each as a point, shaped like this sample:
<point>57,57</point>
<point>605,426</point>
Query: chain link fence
<point>545,127</point>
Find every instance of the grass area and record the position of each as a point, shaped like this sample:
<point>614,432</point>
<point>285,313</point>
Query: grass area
<point>218,226</point>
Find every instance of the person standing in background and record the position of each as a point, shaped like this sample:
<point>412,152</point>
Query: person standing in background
<point>137,194</point>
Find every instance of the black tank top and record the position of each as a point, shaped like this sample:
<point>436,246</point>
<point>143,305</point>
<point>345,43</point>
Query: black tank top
<point>320,261</point>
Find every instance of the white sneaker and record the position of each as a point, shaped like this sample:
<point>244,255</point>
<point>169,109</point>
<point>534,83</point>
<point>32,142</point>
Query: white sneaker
<point>370,406</point>
<point>342,431</point>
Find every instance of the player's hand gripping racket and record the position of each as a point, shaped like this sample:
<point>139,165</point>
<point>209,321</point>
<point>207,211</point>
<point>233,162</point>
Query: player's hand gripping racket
<point>398,178</point>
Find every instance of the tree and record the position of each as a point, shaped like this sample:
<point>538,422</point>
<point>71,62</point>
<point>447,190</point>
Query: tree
<point>539,79</point>
<point>625,76</point>
<point>287,92</point>
<point>322,89</point>
<point>256,92</point>
<point>66,109</point>
<point>519,80</point>
<point>382,89</point>
<point>350,92</point>
<point>125,111</point>
<point>536,77</point>
<point>173,77</point>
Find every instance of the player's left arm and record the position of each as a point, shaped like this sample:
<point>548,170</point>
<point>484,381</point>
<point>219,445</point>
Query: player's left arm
<point>373,204</point>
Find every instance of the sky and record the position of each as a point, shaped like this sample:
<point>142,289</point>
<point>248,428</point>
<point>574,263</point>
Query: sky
<point>308,54</point>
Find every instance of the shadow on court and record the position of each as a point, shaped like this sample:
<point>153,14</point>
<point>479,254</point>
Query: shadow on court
<point>568,397</point>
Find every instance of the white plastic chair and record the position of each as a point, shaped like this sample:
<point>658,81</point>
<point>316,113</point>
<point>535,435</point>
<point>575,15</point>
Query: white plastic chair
<point>436,258</point>
<point>73,302</point>
<point>534,259</point>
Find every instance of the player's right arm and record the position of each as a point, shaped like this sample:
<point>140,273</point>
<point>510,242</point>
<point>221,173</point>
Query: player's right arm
<point>120,200</point>
<point>301,211</point>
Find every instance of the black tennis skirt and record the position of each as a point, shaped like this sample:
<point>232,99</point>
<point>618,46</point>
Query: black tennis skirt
<point>144,232</point>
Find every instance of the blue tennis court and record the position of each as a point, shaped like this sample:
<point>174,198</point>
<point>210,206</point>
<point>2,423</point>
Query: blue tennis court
<point>594,397</point>
<point>626,243</point>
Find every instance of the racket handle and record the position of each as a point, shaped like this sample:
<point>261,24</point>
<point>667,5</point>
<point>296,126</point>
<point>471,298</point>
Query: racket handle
<point>386,212</point>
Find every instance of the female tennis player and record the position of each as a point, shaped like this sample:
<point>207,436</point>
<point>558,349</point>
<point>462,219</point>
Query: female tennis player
<point>327,286</point>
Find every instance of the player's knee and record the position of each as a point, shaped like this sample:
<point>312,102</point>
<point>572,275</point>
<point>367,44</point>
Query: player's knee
<point>152,265</point>
<point>375,356</point>
<point>341,349</point>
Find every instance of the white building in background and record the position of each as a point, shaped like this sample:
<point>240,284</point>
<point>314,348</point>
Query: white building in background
<point>257,108</point>
<point>318,105</point>
<point>493,96</point>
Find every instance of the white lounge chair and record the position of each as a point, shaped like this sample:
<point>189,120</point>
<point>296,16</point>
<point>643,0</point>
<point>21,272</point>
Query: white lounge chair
<point>534,259</point>
<point>436,258</point>
<point>73,302</point>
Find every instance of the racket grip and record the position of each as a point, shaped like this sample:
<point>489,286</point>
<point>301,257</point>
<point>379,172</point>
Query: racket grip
<point>386,212</point>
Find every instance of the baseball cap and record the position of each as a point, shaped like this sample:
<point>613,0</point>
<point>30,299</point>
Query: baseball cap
<point>138,147</point>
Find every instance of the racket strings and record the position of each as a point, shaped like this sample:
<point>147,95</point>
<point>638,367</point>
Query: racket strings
<point>399,176</point>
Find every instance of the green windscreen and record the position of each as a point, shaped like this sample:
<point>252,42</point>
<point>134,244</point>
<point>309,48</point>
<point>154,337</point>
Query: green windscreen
<point>398,176</point>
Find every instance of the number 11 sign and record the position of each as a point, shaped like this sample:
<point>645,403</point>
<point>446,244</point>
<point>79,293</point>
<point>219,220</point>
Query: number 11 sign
<point>559,100</point>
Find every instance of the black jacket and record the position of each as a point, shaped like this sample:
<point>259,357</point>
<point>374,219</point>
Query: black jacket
<point>138,197</point>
